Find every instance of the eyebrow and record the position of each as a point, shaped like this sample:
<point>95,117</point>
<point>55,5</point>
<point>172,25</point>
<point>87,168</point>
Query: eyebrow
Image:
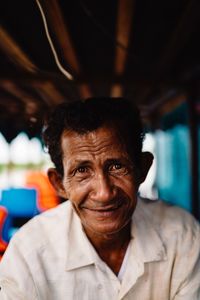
<point>80,162</point>
<point>121,159</point>
<point>113,160</point>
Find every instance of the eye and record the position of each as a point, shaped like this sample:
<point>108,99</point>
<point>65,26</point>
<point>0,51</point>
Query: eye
<point>118,168</point>
<point>81,169</point>
<point>82,172</point>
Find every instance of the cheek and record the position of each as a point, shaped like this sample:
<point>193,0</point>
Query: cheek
<point>76,192</point>
<point>128,185</point>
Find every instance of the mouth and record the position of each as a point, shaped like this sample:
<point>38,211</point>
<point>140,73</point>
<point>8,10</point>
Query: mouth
<point>104,211</point>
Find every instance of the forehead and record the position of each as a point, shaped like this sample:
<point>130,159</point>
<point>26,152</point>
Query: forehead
<point>104,139</point>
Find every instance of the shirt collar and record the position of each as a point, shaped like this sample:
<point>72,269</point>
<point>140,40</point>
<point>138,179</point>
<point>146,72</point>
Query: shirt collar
<point>79,251</point>
<point>146,243</point>
<point>146,240</point>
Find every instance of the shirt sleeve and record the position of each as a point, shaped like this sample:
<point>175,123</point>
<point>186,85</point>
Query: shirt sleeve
<point>16,281</point>
<point>187,265</point>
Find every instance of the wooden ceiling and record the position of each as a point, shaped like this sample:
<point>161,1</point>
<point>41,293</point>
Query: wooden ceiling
<point>57,50</point>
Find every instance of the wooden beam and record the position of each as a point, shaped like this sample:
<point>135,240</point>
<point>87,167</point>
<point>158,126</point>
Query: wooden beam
<point>11,49</point>
<point>186,25</point>
<point>43,93</point>
<point>48,92</point>
<point>171,104</point>
<point>84,91</point>
<point>58,78</point>
<point>29,102</point>
<point>14,90</point>
<point>123,31</point>
<point>62,37</point>
<point>165,102</point>
<point>177,40</point>
<point>116,90</point>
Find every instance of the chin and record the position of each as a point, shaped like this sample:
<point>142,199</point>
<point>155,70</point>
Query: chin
<point>106,229</point>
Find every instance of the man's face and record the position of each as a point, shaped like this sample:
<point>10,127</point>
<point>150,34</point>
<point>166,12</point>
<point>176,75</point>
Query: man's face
<point>99,179</point>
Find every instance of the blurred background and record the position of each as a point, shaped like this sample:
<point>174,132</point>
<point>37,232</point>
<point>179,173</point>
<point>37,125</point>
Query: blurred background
<point>53,51</point>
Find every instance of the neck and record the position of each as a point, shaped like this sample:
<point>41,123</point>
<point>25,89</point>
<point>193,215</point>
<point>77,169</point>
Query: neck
<point>111,247</point>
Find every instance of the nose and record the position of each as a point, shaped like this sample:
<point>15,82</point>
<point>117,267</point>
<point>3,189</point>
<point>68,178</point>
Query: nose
<point>103,189</point>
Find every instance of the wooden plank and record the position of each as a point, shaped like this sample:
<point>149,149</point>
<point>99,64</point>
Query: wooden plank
<point>11,49</point>
<point>123,31</point>
<point>32,100</point>
<point>14,90</point>
<point>29,102</point>
<point>186,25</point>
<point>48,92</point>
<point>116,90</point>
<point>84,91</point>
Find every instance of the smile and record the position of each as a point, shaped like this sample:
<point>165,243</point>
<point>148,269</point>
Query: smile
<point>104,211</point>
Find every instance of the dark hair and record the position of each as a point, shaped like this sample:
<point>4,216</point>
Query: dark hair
<point>90,114</point>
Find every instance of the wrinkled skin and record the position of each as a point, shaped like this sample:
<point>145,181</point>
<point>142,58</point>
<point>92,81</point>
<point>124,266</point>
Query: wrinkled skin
<point>99,179</point>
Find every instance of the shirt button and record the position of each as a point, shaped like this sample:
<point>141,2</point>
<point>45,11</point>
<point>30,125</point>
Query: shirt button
<point>99,286</point>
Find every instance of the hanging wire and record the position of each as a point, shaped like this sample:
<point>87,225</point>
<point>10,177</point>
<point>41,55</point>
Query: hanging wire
<point>60,67</point>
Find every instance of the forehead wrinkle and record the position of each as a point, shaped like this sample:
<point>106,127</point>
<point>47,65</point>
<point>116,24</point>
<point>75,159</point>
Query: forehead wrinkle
<point>92,144</point>
<point>85,152</point>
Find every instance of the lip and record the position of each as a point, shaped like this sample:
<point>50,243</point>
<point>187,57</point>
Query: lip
<point>106,211</point>
<point>106,207</point>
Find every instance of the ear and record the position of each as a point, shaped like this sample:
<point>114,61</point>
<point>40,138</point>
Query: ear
<point>56,180</point>
<point>146,162</point>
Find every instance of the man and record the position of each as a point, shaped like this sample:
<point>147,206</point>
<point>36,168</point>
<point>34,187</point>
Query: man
<point>105,242</point>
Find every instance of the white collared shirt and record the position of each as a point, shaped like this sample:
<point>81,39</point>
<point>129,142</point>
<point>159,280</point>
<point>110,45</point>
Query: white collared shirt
<point>50,258</point>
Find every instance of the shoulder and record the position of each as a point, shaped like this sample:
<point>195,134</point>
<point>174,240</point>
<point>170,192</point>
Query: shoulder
<point>169,219</point>
<point>180,235</point>
<point>43,229</point>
